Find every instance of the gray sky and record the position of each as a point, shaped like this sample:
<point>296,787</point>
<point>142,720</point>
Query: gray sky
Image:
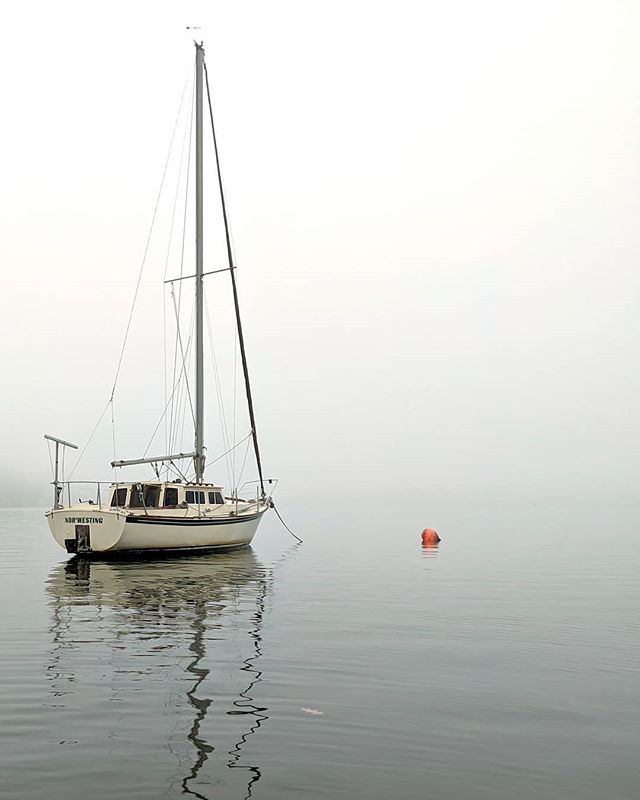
<point>435,216</point>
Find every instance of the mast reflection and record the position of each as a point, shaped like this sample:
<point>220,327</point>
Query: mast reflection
<point>244,703</point>
<point>183,600</point>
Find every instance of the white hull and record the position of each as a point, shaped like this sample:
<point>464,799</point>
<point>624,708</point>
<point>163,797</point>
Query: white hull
<point>92,530</point>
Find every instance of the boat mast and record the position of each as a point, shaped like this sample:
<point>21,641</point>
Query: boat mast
<point>199,458</point>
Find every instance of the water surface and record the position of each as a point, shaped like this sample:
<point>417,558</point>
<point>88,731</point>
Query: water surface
<point>502,664</point>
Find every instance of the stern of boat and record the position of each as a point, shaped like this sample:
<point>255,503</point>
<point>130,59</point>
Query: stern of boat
<point>86,528</point>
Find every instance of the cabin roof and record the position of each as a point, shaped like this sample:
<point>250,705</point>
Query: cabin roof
<point>176,484</point>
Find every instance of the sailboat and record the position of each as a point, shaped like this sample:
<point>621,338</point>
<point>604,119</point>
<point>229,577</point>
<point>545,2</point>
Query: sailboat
<point>186,513</point>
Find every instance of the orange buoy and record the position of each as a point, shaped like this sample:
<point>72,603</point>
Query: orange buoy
<point>429,537</point>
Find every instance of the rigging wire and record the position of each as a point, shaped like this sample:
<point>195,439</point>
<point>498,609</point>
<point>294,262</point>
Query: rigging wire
<point>187,129</point>
<point>164,411</point>
<point>184,231</point>
<point>92,434</point>
<point>244,462</point>
<point>175,402</point>
<point>146,247</point>
<point>179,471</point>
<point>183,369</point>
<point>177,399</point>
<point>223,420</point>
<point>248,436</point>
<point>113,436</point>
<point>182,352</point>
<point>235,403</point>
<point>181,415</point>
<point>135,296</point>
<point>245,367</point>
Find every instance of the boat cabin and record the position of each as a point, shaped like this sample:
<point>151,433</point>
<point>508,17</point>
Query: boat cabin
<point>154,494</point>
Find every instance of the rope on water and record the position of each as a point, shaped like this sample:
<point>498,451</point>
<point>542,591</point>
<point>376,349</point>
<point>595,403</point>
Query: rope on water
<point>273,506</point>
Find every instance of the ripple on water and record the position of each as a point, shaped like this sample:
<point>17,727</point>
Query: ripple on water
<point>493,667</point>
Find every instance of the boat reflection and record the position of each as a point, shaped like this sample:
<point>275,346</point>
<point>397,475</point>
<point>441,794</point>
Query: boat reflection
<point>182,605</point>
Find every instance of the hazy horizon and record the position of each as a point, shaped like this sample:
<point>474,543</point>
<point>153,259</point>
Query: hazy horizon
<point>434,211</point>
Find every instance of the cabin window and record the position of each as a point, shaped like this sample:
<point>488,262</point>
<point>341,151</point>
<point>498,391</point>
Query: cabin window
<point>170,497</point>
<point>144,496</point>
<point>119,498</point>
<point>215,498</point>
<point>136,500</point>
<point>151,496</point>
<point>195,497</point>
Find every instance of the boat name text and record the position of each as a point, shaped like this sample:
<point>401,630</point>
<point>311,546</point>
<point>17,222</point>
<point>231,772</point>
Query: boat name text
<point>82,520</point>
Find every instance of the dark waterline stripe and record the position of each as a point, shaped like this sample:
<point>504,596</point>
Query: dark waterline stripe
<point>192,521</point>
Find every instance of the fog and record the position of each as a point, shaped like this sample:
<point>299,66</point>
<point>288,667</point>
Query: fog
<point>434,210</point>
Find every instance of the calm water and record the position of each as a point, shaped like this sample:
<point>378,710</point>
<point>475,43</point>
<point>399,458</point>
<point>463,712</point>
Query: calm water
<point>504,664</point>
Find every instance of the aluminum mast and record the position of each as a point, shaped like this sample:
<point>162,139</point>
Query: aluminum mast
<point>199,458</point>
